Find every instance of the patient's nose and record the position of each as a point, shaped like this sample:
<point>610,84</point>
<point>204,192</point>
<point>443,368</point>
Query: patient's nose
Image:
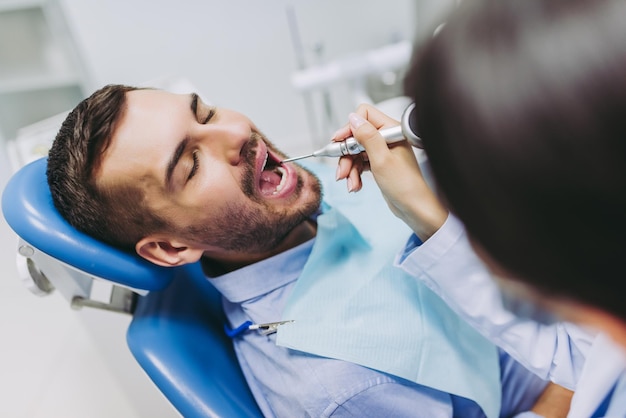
<point>227,139</point>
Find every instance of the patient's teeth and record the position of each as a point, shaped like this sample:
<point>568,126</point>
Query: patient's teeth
<point>282,180</point>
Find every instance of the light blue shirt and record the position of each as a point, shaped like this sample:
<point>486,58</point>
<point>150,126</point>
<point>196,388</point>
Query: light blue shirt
<point>290,383</point>
<point>573,357</point>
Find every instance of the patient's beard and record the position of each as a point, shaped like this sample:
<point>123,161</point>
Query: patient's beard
<point>260,227</point>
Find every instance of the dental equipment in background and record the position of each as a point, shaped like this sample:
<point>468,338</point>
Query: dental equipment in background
<point>350,146</point>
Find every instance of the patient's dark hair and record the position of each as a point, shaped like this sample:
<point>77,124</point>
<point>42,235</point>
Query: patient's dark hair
<point>521,105</point>
<point>114,214</point>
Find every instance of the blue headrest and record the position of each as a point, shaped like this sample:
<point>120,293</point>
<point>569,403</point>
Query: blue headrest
<point>27,206</point>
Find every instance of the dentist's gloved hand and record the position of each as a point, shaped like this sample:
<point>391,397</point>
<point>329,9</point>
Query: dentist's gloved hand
<point>395,170</point>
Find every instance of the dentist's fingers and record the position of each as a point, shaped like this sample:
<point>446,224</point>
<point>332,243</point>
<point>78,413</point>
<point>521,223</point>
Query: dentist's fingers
<point>342,133</point>
<point>368,136</point>
<point>343,167</point>
<point>350,164</point>
<point>354,182</point>
<point>378,120</point>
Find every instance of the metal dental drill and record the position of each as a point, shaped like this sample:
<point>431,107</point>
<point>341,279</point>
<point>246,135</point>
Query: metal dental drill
<point>350,146</point>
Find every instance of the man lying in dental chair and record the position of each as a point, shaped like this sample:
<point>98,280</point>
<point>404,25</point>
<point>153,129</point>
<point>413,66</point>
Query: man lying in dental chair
<point>178,181</point>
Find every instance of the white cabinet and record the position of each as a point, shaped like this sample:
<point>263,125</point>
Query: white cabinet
<point>41,74</point>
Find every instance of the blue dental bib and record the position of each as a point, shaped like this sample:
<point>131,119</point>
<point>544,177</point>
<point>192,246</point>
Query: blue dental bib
<point>351,303</point>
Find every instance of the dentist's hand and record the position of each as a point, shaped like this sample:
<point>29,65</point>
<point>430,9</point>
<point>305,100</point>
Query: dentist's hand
<point>395,170</point>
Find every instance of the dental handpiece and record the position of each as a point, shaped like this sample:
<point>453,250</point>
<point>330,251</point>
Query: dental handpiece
<point>350,146</point>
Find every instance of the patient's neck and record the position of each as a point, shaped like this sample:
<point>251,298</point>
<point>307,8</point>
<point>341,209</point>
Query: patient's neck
<point>214,266</point>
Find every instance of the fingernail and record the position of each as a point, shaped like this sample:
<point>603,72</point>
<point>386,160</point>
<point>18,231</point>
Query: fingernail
<point>332,138</point>
<point>337,174</point>
<point>349,183</point>
<point>355,120</point>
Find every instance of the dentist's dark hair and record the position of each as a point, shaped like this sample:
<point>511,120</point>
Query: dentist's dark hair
<point>115,213</point>
<point>521,105</point>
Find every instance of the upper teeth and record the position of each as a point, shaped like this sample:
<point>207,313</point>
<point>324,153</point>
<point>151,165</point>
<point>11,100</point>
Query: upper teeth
<point>265,162</point>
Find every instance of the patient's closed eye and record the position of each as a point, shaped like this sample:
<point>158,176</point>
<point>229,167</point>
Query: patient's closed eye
<point>194,167</point>
<point>205,113</point>
<point>202,112</point>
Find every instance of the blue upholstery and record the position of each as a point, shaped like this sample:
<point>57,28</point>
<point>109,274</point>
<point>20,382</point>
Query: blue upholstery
<point>27,206</point>
<point>176,334</point>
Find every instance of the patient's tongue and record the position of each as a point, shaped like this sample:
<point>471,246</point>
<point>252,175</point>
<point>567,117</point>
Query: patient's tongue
<point>269,181</point>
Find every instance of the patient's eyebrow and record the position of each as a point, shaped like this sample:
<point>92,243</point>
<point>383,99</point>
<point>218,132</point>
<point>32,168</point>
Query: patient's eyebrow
<point>171,165</point>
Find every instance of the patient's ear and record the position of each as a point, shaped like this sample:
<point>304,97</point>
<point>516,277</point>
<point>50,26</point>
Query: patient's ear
<point>167,253</point>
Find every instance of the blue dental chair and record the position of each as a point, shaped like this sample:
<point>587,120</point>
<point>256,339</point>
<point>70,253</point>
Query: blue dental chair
<point>176,333</point>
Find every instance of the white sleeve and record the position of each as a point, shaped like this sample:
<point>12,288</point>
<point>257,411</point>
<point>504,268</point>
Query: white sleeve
<point>447,264</point>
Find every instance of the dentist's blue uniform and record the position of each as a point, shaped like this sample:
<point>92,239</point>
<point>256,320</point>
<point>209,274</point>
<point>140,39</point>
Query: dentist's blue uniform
<point>590,364</point>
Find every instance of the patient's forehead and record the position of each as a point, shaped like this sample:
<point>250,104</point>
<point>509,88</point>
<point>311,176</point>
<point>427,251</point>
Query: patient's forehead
<point>151,124</point>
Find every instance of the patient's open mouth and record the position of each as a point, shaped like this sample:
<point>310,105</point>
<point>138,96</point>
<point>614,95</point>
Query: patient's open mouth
<point>272,178</point>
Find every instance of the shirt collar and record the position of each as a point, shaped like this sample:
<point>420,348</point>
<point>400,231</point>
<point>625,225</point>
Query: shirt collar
<point>264,276</point>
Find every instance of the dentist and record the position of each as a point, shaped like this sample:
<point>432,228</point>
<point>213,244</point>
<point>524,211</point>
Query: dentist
<point>520,105</point>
